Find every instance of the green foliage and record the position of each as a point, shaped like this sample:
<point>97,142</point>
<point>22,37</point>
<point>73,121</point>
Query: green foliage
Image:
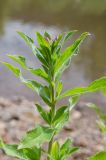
<point>102,126</point>
<point>102,122</point>
<point>36,137</point>
<point>99,156</point>
<point>25,154</point>
<point>64,151</point>
<point>54,61</point>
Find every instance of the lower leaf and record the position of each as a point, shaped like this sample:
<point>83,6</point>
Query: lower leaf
<point>99,156</point>
<point>25,154</point>
<point>36,137</point>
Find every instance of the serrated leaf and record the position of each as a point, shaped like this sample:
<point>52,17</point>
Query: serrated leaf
<point>97,110</point>
<point>62,115</point>
<point>99,156</point>
<point>59,88</point>
<point>25,37</point>
<point>33,153</point>
<point>73,101</point>
<point>94,86</point>
<point>67,149</point>
<point>68,54</point>
<point>25,154</point>
<point>42,40</point>
<point>55,151</point>
<point>19,59</point>
<point>22,61</point>
<point>59,41</point>
<point>39,72</point>
<point>36,137</point>
<point>34,85</point>
<point>66,145</point>
<point>69,34</point>
<point>102,127</point>
<point>47,36</point>
<point>29,41</point>
<point>45,94</point>
<point>15,70</point>
<point>43,113</point>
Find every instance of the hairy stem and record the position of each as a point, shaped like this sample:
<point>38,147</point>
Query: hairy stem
<point>52,116</point>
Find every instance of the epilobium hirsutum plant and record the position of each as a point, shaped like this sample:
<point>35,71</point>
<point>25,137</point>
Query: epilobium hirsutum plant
<point>53,61</point>
<point>102,126</point>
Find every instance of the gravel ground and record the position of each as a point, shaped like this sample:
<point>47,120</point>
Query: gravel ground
<point>18,115</point>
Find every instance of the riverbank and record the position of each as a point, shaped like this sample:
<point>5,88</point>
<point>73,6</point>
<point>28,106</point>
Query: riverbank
<point>18,115</point>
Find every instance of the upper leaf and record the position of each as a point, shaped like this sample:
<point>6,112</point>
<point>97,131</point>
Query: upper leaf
<point>93,87</point>
<point>41,90</point>
<point>63,60</point>
<point>29,41</point>
<point>41,40</point>
<point>22,61</point>
<point>44,114</point>
<point>59,41</point>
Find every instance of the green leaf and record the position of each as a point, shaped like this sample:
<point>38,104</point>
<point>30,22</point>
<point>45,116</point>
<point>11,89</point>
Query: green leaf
<point>22,61</point>
<point>36,137</point>
<point>66,145</point>
<point>33,153</point>
<point>97,110</point>
<point>39,72</point>
<point>29,41</point>
<point>103,91</point>
<point>58,43</point>
<point>68,54</point>
<point>41,40</point>
<point>43,91</point>
<point>62,115</point>
<point>29,83</point>
<point>45,94</point>
<point>102,127</point>
<point>73,101</point>
<point>25,154</point>
<point>55,151</point>
<point>59,88</point>
<point>99,156</point>
<point>43,113</point>
<point>69,34</point>
<point>35,50</point>
<point>47,36</point>
<point>15,70</point>
<point>19,59</point>
<point>67,149</point>
<point>93,87</point>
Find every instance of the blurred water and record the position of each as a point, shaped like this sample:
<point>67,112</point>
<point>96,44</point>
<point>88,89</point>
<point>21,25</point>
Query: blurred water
<point>53,16</point>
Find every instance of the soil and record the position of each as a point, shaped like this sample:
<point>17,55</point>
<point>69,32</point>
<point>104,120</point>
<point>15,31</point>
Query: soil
<point>19,115</point>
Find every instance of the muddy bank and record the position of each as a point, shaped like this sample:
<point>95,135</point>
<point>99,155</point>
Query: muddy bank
<point>18,115</point>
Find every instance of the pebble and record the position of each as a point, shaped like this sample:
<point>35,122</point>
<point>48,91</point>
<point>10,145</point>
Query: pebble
<point>19,115</point>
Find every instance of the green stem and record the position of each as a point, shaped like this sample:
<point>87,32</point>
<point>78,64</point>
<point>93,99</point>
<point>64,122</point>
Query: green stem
<point>52,115</point>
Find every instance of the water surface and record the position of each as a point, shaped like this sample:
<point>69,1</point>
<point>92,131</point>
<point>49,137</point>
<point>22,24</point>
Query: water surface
<point>53,16</point>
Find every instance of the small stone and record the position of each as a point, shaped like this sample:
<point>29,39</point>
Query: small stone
<point>99,148</point>
<point>76,115</point>
<point>2,128</point>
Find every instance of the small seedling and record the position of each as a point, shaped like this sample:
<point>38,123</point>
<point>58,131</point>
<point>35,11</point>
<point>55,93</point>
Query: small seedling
<point>54,61</point>
<point>102,126</point>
